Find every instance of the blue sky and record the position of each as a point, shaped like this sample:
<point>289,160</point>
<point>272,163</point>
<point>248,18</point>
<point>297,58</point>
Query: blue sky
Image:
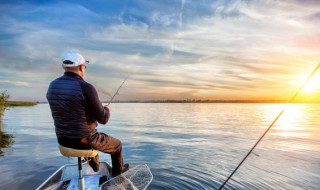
<point>170,49</point>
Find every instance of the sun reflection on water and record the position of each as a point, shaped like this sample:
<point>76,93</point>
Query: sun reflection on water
<point>290,124</point>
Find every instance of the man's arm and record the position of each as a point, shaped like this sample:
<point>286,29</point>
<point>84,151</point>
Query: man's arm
<point>95,108</point>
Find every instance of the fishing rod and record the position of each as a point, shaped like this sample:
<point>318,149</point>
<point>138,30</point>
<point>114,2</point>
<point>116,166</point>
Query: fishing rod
<point>117,92</point>
<point>271,125</point>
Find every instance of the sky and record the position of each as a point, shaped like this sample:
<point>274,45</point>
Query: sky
<point>169,49</point>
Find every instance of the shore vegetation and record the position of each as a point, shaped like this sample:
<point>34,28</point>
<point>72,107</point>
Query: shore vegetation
<point>4,96</point>
<point>5,103</point>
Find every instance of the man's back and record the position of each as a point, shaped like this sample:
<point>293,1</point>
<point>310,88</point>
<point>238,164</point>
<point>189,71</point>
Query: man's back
<point>67,103</point>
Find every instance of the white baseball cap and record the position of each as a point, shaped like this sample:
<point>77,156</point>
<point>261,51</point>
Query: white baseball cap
<point>72,59</point>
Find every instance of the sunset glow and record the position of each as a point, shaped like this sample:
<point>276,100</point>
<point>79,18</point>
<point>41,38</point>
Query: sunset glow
<point>178,50</point>
<point>313,85</point>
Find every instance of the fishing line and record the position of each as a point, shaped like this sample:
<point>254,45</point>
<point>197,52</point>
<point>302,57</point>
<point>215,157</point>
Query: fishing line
<point>101,90</point>
<point>117,92</point>
<point>271,125</point>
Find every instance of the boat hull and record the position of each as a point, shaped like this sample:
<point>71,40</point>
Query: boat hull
<point>66,178</point>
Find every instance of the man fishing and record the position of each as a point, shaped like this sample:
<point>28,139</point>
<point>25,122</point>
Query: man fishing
<point>77,110</point>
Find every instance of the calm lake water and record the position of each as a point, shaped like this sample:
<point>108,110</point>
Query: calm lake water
<point>186,146</point>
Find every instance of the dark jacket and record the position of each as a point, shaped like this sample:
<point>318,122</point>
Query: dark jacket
<point>75,106</point>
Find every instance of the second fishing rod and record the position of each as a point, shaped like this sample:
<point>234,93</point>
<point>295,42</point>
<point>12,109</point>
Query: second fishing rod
<point>270,126</point>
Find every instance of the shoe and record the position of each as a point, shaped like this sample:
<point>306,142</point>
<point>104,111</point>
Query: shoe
<point>94,162</point>
<point>125,168</point>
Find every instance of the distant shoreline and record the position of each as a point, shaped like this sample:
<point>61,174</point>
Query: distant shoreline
<point>205,101</point>
<point>20,103</point>
<point>216,101</point>
<point>14,104</point>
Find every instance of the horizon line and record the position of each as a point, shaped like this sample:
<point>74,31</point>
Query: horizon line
<point>203,101</point>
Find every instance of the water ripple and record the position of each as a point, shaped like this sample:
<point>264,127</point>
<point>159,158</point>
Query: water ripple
<point>187,146</point>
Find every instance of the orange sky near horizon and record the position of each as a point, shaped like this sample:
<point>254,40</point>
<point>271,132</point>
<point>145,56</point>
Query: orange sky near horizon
<point>208,50</point>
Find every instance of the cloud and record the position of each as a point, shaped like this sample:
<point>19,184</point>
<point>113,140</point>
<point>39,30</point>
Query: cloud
<point>16,83</point>
<point>192,47</point>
